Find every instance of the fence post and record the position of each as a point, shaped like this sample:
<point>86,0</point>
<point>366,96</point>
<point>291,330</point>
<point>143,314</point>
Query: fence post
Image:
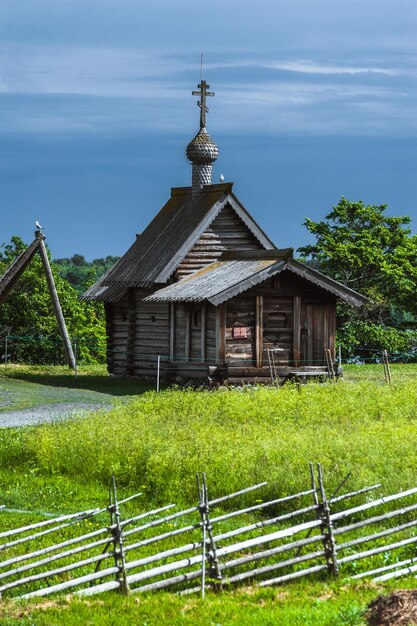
<point>329,543</point>
<point>215,573</point>
<point>117,532</point>
<point>387,371</point>
<point>6,349</point>
<point>158,372</point>
<point>201,508</point>
<point>207,529</point>
<point>75,360</point>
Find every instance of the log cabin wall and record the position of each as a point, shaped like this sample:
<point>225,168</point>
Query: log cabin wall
<point>284,312</point>
<point>117,337</point>
<point>211,334</point>
<point>227,232</point>
<point>240,331</point>
<point>233,233</point>
<point>149,334</point>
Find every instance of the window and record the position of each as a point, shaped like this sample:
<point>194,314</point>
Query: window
<point>240,332</point>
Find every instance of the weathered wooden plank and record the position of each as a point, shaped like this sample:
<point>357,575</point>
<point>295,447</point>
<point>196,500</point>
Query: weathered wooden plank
<point>297,332</point>
<point>221,331</point>
<point>259,330</point>
<point>171,331</point>
<point>187,335</point>
<point>203,331</point>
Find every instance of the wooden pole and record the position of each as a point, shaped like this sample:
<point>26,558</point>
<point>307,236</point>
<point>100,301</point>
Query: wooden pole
<point>201,495</point>
<point>215,572</point>
<point>329,543</point>
<point>118,547</point>
<point>6,350</point>
<point>387,369</point>
<point>296,345</point>
<point>259,336</point>
<point>158,373</point>
<point>56,303</point>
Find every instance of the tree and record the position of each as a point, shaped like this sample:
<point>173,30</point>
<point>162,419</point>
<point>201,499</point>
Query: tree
<point>29,315</point>
<point>81,273</point>
<point>369,251</point>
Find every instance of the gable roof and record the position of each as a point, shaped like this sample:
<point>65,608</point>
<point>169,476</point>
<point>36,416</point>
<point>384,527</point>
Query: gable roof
<point>233,274</point>
<point>159,250</point>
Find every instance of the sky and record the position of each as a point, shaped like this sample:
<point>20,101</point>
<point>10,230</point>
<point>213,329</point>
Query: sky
<point>314,100</point>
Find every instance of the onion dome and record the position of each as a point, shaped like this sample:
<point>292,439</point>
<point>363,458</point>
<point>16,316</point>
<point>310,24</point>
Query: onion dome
<point>202,150</point>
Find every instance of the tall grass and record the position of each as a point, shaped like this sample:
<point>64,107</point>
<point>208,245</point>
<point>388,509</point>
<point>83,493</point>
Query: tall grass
<point>238,437</point>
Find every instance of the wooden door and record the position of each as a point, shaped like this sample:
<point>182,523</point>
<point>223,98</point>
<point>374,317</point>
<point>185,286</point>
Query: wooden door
<point>314,333</point>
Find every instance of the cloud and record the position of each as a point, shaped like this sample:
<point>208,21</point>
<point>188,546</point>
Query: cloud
<point>53,89</point>
<point>309,67</point>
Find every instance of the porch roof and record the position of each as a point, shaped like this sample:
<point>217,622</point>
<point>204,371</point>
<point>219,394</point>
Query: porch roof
<point>226,278</point>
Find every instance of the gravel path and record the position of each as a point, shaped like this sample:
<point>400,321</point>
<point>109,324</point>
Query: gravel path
<point>46,413</point>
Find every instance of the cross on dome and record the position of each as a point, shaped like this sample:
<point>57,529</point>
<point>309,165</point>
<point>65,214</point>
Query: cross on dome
<point>203,93</point>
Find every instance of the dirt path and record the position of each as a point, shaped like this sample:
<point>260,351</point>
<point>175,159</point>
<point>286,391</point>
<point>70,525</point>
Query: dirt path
<point>46,413</point>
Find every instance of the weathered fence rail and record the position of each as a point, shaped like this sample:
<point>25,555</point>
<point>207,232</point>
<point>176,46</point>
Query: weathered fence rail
<point>142,552</point>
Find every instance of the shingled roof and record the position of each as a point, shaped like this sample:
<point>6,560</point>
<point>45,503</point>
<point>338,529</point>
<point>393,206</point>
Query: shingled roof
<point>158,251</point>
<point>235,273</point>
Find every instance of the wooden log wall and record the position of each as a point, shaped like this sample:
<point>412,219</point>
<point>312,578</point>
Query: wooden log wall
<point>233,233</point>
<point>207,250</point>
<point>117,329</point>
<point>227,232</point>
<point>240,313</point>
<point>151,334</point>
<point>211,352</point>
<point>296,316</point>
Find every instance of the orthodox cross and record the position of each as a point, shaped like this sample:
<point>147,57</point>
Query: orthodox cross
<point>203,93</point>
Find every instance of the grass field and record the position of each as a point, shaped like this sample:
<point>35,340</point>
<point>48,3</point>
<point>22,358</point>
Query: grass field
<point>156,443</point>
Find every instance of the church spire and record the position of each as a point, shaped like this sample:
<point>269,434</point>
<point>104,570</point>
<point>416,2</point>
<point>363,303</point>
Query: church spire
<point>202,151</point>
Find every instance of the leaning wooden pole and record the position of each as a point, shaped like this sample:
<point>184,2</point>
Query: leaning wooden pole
<point>55,301</point>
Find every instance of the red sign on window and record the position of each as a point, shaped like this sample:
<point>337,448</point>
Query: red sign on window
<point>240,332</point>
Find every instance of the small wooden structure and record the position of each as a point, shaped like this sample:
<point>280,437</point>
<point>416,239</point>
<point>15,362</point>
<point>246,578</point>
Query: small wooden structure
<point>14,272</point>
<point>206,290</point>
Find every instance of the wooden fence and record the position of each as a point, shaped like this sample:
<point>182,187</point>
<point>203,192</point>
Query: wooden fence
<point>142,553</point>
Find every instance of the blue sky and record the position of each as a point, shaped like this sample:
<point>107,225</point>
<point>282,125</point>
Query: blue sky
<point>314,100</point>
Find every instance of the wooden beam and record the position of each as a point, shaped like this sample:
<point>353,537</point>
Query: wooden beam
<point>57,306</point>
<point>171,330</point>
<point>187,333</point>
<point>259,333</point>
<point>16,269</point>
<point>296,339</point>
<point>203,330</point>
<point>221,332</point>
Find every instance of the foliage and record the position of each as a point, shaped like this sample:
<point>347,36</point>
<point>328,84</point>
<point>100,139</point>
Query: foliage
<point>370,252</point>
<point>81,273</point>
<point>369,339</point>
<point>28,314</point>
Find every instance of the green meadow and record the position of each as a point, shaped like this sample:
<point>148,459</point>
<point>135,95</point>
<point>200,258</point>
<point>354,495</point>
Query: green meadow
<point>155,443</point>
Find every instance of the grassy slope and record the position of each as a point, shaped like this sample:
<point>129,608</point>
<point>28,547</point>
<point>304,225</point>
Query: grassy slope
<point>157,442</point>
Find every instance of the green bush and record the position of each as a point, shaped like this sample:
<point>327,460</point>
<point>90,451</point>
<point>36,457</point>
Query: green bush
<point>368,340</point>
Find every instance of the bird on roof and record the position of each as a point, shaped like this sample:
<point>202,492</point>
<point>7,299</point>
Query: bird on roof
<point>38,226</point>
<point>221,178</point>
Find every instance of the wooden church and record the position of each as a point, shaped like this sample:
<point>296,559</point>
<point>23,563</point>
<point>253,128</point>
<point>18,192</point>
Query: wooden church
<point>206,290</point>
